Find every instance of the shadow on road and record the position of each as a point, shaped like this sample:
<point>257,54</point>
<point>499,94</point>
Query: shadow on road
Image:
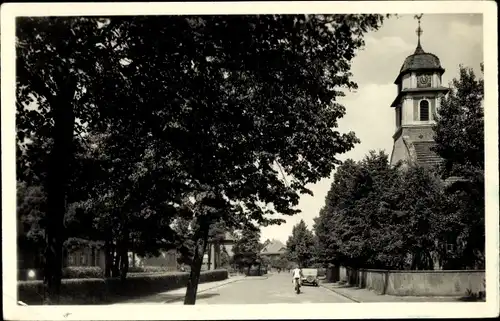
<point>169,298</point>
<point>333,285</point>
<point>346,286</point>
<point>160,298</point>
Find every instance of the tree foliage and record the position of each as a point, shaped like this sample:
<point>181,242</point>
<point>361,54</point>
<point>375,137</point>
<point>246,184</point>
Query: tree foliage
<point>376,216</point>
<point>459,136</point>
<point>300,245</point>
<point>134,116</point>
<point>246,251</point>
<point>30,208</point>
<point>282,262</point>
<point>459,128</point>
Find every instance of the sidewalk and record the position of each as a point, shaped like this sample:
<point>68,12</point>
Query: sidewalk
<point>364,295</point>
<point>178,294</point>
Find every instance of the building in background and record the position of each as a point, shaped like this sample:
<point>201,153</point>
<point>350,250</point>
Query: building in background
<point>217,251</point>
<point>273,249</point>
<point>81,252</point>
<point>166,259</point>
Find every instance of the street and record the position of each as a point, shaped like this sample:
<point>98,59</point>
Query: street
<point>271,288</point>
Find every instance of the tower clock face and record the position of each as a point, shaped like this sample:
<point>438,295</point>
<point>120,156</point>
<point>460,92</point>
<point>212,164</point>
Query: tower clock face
<point>424,81</point>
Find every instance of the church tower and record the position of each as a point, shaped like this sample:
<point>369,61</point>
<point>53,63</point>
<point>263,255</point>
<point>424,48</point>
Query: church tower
<point>419,94</point>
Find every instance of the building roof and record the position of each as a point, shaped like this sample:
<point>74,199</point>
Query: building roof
<point>420,61</point>
<point>274,247</point>
<point>424,155</point>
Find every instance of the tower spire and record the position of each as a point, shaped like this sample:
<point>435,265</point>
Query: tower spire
<point>419,32</point>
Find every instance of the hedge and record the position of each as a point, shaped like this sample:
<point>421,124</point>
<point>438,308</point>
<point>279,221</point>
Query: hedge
<point>91,272</point>
<point>73,291</point>
<point>150,269</point>
<point>70,272</point>
<point>102,291</point>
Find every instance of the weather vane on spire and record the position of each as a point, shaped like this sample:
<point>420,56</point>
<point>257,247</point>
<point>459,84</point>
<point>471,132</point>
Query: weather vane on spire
<point>419,30</point>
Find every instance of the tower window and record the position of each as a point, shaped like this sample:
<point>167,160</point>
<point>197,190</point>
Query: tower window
<point>424,110</point>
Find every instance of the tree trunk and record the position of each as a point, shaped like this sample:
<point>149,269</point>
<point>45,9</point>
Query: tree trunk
<point>194,276</point>
<point>64,258</point>
<point>210,258</point>
<point>216,255</point>
<point>124,256</point>
<point>57,180</point>
<point>92,256</point>
<point>108,258</point>
<point>116,262</point>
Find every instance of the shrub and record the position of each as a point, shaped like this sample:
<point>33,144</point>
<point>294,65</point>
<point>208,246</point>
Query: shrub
<point>95,291</point>
<point>140,284</point>
<point>82,272</point>
<point>253,272</point>
<point>150,269</point>
<point>70,272</point>
<point>212,276</point>
<point>73,291</point>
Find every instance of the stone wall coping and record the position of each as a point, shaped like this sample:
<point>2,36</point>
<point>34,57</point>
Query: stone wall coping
<point>420,271</point>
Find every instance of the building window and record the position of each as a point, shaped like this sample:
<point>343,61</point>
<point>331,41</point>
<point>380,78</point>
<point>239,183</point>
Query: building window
<point>71,259</point>
<point>424,110</point>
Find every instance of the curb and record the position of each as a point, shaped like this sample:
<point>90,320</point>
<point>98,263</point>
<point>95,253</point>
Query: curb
<point>256,278</point>
<point>218,286</point>
<point>207,289</point>
<point>339,293</point>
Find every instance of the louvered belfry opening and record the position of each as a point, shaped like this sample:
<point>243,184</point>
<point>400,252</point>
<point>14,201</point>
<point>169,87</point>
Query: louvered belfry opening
<point>424,110</point>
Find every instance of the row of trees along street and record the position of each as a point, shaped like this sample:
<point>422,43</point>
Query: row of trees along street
<point>301,246</point>
<point>145,132</point>
<point>378,216</point>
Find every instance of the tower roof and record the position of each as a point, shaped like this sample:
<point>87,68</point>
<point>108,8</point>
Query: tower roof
<point>420,60</point>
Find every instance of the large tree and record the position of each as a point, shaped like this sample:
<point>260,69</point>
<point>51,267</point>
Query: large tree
<point>416,220</point>
<point>57,63</point>
<point>300,245</point>
<point>246,251</point>
<point>328,225</point>
<point>232,98</point>
<point>354,228</point>
<point>459,136</point>
<point>459,128</point>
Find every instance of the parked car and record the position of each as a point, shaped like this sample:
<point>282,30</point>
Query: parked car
<point>310,276</point>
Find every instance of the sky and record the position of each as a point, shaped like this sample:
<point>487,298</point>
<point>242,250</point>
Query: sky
<point>455,38</point>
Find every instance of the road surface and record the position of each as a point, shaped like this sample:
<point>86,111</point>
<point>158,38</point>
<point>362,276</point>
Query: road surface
<point>271,288</point>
